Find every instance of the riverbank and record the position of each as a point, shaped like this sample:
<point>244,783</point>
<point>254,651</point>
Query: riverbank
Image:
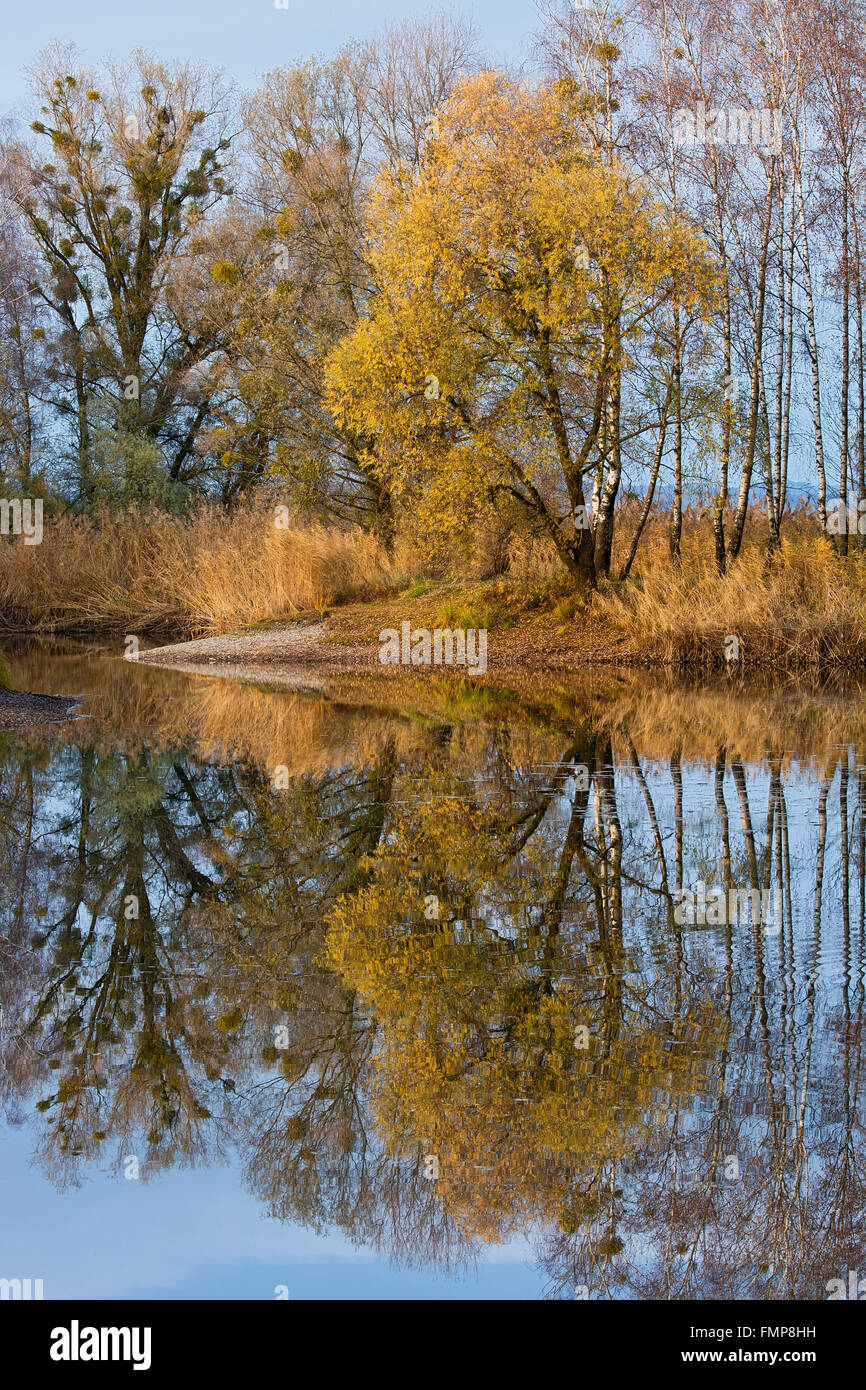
<point>774,626</point>
<point>20,709</point>
<point>348,641</point>
<point>209,588</point>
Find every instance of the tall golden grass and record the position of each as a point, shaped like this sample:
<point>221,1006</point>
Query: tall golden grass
<point>209,573</point>
<point>803,608</point>
<point>215,572</point>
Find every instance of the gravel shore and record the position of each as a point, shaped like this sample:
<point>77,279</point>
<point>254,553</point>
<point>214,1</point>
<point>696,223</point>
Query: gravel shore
<point>18,708</point>
<point>302,645</point>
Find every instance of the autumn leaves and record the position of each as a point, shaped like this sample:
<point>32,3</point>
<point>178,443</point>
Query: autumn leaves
<point>533,280</point>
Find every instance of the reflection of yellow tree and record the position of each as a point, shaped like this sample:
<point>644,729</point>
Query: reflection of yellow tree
<point>455,1035</point>
<point>506,1056</point>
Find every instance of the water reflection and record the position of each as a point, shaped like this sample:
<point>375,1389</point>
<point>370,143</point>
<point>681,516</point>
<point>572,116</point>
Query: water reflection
<point>435,990</point>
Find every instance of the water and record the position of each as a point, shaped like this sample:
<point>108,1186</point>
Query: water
<point>474,994</point>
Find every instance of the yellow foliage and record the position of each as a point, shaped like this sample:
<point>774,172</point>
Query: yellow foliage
<point>481,1062</point>
<point>520,276</point>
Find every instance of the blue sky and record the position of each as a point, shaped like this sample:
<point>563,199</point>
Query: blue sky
<point>199,1234</point>
<point>245,39</point>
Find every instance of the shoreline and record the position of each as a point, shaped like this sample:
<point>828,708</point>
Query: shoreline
<point>20,709</point>
<point>308,648</point>
<point>312,648</point>
<point>349,646</point>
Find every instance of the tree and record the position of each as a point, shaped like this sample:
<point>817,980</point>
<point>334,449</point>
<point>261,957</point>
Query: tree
<point>135,167</point>
<point>318,133</point>
<point>22,363</point>
<point>521,277</point>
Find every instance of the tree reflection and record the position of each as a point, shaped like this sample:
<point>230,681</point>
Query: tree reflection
<point>435,992</point>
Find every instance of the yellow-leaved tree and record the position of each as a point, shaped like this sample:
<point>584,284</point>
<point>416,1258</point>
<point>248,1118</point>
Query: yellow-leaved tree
<point>523,283</point>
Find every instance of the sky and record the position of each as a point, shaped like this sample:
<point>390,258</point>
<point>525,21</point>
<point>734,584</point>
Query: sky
<point>244,37</point>
<point>200,1234</point>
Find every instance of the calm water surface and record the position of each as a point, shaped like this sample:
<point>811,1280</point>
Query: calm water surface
<point>461,995</point>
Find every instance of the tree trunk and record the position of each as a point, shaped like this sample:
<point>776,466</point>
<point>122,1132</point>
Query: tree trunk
<point>752,433</point>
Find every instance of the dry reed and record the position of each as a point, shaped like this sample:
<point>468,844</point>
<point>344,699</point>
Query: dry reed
<point>210,573</point>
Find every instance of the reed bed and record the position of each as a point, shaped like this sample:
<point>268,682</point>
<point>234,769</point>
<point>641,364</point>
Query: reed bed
<point>803,609</point>
<point>215,572</point>
<point>212,572</point>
